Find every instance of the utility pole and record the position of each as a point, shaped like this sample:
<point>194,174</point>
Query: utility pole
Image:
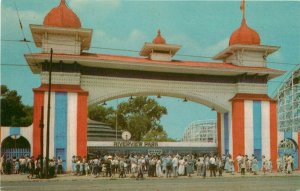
<point>117,121</point>
<point>42,140</point>
<point>48,115</point>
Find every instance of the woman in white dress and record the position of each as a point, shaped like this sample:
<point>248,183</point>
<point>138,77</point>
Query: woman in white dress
<point>231,165</point>
<point>181,167</point>
<point>158,168</point>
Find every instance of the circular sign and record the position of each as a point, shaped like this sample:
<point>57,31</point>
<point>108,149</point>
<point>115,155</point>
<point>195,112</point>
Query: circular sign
<point>126,135</point>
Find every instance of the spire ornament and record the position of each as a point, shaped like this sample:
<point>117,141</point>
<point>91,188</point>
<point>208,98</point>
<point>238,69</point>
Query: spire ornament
<point>243,7</point>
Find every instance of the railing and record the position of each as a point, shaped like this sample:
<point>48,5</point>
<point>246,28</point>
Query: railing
<point>15,152</point>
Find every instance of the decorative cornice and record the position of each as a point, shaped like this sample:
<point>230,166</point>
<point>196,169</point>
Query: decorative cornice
<point>61,88</point>
<point>254,97</point>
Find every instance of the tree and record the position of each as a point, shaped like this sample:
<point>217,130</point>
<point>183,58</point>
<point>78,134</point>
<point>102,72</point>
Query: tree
<point>101,113</point>
<point>158,135</point>
<point>13,111</point>
<point>139,115</point>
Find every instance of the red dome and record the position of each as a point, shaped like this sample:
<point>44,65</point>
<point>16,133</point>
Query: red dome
<point>159,39</point>
<point>244,35</point>
<point>62,16</point>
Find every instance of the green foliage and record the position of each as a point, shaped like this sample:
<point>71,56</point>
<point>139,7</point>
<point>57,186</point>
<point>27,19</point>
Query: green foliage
<point>158,135</point>
<point>139,116</point>
<point>13,111</point>
<point>100,113</point>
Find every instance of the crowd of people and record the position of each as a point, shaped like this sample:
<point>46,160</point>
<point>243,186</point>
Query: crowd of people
<point>30,166</point>
<point>138,165</point>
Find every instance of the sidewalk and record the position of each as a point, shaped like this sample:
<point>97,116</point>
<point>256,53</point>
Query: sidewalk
<point>69,177</point>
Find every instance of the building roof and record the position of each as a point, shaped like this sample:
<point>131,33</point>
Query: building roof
<point>145,64</point>
<point>159,39</point>
<point>244,35</point>
<point>62,16</point>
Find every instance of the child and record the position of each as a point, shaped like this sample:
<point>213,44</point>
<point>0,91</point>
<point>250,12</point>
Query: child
<point>270,166</point>
<point>243,165</point>
<point>17,166</point>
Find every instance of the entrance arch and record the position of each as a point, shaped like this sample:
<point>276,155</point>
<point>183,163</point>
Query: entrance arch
<point>15,146</point>
<point>235,86</point>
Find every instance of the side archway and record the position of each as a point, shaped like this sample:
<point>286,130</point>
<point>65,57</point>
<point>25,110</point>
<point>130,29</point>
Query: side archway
<point>15,146</point>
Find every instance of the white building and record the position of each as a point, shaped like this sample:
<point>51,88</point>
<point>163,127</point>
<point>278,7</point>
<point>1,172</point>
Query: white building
<point>201,131</point>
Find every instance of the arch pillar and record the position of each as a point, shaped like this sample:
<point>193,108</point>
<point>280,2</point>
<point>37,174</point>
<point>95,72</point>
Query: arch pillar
<point>254,126</point>
<point>68,121</point>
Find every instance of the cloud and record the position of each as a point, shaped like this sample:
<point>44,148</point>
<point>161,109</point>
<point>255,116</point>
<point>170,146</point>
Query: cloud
<point>189,45</point>
<point>100,7</point>
<point>133,41</point>
<point>105,4</point>
<point>214,49</point>
<point>10,22</point>
<point>276,57</point>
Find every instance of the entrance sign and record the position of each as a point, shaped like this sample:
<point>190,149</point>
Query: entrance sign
<point>135,144</point>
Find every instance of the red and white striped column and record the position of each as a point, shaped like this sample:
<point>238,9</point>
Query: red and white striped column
<point>68,121</point>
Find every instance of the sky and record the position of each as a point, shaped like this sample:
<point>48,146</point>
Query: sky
<point>203,28</point>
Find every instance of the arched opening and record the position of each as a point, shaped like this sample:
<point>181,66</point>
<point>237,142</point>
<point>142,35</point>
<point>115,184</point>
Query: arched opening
<point>189,109</point>
<point>15,146</point>
<point>289,147</point>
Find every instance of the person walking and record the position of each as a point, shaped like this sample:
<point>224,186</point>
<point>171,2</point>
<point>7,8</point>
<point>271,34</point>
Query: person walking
<point>190,166</point>
<point>203,166</point>
<point>175,166</point>
<point>140,174</point>
<point>59,165</point>
<point>231,165</point>
<point>158,168</point>
<point>168,166</point>
<point>254,165</point>
<point>198,165</point>
<point>243,165</point>
<point>2,159</point>
<point>212,166</point>
<point>181,167</point>
<point>264,164</point>
<point>220,165</point>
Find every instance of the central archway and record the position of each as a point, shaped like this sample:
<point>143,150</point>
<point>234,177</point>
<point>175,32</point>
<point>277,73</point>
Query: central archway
<point>171,124</point>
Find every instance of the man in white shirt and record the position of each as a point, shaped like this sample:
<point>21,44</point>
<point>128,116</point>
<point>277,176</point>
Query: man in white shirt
<point>212,166</point>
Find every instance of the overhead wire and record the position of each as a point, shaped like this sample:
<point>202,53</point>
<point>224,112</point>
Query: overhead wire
<point>136,51</point>
<point>21,27</point>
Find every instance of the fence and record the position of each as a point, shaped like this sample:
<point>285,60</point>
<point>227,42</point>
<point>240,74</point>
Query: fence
<point>15,152</point>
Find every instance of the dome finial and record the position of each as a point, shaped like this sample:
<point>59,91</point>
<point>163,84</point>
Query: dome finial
<point>63,2</point>
<point>159,39</point>
<point>243,8</point>
<point>244,34</point>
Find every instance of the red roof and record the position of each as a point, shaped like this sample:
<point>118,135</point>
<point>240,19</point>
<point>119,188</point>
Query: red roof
<point>149,61</point>
<point>159,39</point>
<point>62,16</point>
<point>244,35</point>
<point>256,97</point>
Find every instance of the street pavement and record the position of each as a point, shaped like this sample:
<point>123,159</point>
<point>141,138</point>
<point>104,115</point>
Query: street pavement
<point>249,182</point>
